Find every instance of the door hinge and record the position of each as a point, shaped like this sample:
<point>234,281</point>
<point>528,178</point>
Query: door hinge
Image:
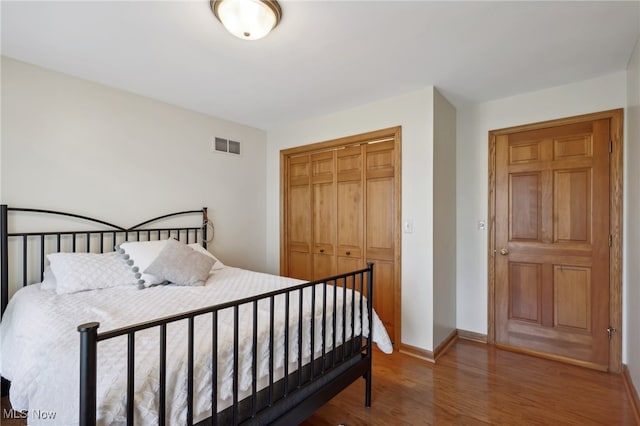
<point>610,331</point>
<point>611,146</point>
<point>610,240</point>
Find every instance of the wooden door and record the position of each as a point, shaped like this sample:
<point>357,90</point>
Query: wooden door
<point>323,186</point>
<point>298,226</point>
<point>552,241</point>
<point>340,208</point>
<point>380,236</point>
<point>350,213</point>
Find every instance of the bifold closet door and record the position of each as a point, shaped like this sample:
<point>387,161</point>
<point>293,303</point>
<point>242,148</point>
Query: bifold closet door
<point>380,229</point>
<point>350,208</point>
<point>298,204</point>
<point>341,209</point>
<point>323,194</point>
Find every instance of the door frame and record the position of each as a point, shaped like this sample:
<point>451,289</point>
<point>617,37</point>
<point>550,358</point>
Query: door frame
<point>615,225</point>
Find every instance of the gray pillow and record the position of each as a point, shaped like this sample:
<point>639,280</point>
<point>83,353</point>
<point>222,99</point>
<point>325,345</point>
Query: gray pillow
<point>181,264</point>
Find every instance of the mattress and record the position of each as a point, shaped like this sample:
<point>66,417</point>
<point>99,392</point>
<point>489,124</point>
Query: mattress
<point>40,344</point>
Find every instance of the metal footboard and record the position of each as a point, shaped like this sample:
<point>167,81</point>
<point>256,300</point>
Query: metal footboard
<point>298,394</point>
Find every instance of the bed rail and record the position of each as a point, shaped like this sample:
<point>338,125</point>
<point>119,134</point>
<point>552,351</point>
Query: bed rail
<point>103,238</point>
<point>345,361</point>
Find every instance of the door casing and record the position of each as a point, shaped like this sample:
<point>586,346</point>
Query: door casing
<point>615,224</point>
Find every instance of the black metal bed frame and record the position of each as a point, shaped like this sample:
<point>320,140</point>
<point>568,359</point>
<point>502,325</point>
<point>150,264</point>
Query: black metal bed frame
<point>285,401</point>
<point>117,234</point>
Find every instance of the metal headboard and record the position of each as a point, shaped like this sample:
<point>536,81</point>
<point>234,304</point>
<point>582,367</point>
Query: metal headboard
<point>94,240</point>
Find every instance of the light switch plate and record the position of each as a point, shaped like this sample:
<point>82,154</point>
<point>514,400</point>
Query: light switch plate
<point>407,227</point>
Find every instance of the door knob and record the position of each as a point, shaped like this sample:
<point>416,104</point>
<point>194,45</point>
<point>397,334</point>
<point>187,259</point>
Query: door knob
<point>504,251</point>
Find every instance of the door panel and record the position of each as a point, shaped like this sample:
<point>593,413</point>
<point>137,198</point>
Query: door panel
<point>324,207</point>
<point>350,218</point>
<point>572,304</point>
<point>324,214</point>
<point>324,204</point>
<point>300,266</point>
<point>571,201</point>
<point>350,245</point>
<point>525,217</point>
<point>298,219</point>
<point>551,238</point>
<point>380,238</point>
<point>323,167</point>
<point>348,264</point>
<point>380,213</point>
<point>525,282</point>
<point>324,265</point>
<point>384,299</point>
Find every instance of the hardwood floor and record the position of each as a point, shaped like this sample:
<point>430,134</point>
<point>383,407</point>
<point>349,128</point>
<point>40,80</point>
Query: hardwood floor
<point>6,419</point>
<point>475,384</point>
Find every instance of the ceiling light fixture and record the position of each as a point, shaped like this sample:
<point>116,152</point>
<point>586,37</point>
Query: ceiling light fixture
<point>247,19</point>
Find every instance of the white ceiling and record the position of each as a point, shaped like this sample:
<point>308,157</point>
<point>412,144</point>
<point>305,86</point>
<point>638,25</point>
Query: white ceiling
<point>325,55</point>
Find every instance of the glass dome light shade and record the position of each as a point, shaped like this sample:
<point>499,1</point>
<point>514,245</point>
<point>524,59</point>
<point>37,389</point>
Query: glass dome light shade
<point>247,19</point>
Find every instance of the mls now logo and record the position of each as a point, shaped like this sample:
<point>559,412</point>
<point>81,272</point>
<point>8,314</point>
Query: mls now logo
<point>33,414</point>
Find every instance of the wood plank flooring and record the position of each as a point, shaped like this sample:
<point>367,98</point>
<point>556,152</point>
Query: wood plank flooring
<point>475,384</point>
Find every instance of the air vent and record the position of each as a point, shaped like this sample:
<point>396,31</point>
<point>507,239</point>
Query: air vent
<point>224,145</point>
<point>234,147</point>
<point>221,145</point>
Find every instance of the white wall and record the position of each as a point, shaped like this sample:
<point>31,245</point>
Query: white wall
<point>74,145</point>
<point>414,112</point>
<point>474,123</point>
<point>631,266</point>
<point>444,219</point>
<point>69,144</point>
<point>1,124</point>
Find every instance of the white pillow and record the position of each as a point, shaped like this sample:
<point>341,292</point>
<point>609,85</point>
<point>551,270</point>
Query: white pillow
<point>49,280</point>
<point>181,265</point>
<point>89,271</point>
<point>198,247</point>
<point>143,253</point>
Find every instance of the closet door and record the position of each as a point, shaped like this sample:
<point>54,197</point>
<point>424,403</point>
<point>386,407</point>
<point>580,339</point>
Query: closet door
<point>323,183</point>
<point>341,210</point>
<point>380,229</point>
<point>350,214</point>
<point>299,256</point>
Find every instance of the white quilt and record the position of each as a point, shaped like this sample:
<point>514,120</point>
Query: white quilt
<point>39,349</point>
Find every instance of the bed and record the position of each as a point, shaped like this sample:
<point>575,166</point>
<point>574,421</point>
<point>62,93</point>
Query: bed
<point>126,336</point>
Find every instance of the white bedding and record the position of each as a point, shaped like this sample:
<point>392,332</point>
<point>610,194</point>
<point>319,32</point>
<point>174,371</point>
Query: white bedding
<point>40,345</point>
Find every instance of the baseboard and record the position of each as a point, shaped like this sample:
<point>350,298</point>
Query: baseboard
<point>429,356</point>
<point>631,392</point>
<point>417,352</point>
<point>444,346</point>
<point>473,336</point>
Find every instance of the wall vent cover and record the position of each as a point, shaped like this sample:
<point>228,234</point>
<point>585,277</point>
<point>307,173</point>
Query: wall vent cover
<point>234,147</point>
<point>221,145</point>
<point>224,145</point>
